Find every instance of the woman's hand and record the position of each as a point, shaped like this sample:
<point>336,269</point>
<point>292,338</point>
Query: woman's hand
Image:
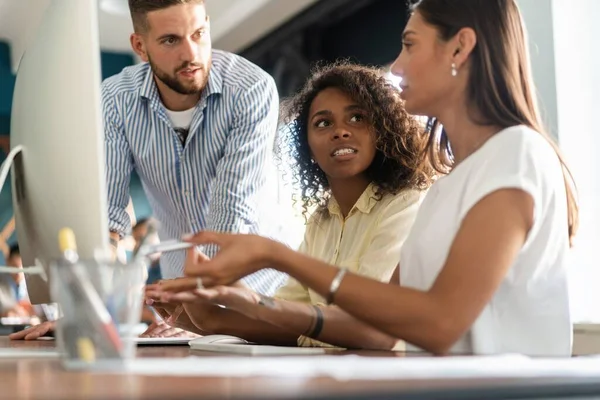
<point>204,307</point>
<point>238,256</point>
<point>237,298</point>
<point>154,291</point>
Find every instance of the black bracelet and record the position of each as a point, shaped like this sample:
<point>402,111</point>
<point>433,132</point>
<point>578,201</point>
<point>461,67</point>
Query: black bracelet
<point>316,331</point>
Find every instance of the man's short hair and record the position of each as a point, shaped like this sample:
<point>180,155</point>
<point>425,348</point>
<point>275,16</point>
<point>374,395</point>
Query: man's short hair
<point>139,9</point>
<point>14,251</point>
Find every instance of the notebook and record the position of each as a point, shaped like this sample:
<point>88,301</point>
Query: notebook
<point>159,341</point>
<point>18,353</point>
<point>234,345</point>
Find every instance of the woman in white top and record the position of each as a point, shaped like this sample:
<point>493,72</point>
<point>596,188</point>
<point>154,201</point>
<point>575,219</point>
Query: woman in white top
<point>484,268</point>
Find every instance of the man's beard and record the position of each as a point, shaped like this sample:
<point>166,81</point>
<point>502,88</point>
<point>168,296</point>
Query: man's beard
<point>174,84</point>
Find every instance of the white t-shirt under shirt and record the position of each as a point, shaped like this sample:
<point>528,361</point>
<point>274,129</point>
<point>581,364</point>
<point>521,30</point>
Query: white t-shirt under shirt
<point>273,204</point>
<point>181,121</point>
<point>529,313</point>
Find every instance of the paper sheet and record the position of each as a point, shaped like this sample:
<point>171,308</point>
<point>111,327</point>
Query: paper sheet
<point>10,353</point>
<point>257,350</point>
<point>366,368</point>
<point>158,341</point>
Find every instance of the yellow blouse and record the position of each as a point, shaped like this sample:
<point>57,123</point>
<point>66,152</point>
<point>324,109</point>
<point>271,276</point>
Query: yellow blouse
<point>367,242</point>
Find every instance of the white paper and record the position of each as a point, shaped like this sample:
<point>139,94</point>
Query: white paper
<point>132,330</point>
<point>10,353</point>
<point>366,368</point>
<point>251,349</point>
<point>161,341</point>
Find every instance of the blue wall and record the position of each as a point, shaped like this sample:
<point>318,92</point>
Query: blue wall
<point>112,63</point>
<point>7,84</point>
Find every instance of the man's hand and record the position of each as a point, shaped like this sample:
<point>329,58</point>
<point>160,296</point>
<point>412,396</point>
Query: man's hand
<point>34,332</point>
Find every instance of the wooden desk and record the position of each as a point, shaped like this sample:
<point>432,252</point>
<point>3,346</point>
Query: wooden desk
<point>46,379</point>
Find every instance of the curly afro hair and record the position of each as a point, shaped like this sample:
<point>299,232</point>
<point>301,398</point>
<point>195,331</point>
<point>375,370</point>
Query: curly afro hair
<point>401,160</point>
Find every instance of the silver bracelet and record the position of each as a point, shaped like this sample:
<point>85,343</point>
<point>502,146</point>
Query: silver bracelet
<point>266,301</point>
<point>335,285</point>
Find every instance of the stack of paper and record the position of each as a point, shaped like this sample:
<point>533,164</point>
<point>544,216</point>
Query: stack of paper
<point>356,367</point>
<point>16,353</point>
<point>158,341</point>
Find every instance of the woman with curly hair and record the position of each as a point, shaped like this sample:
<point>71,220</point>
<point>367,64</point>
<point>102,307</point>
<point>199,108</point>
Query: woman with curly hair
<point>360,162</point>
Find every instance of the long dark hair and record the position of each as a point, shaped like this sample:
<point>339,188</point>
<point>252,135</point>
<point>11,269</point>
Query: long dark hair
<point>500,83</point>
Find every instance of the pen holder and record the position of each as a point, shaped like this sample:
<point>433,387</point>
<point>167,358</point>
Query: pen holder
<point>100,304</point>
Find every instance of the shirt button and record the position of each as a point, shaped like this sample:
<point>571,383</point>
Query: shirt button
<point>187,192</point>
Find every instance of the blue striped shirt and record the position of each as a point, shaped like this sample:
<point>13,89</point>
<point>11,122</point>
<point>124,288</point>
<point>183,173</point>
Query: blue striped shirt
<point>217,180</point>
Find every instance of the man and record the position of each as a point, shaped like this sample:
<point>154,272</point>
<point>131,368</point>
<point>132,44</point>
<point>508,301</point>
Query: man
<point>198,126</point>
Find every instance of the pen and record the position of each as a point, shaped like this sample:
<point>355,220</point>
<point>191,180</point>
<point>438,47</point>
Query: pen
<point>24,270</point>
<point>167,246</point>
<point>173,317</point>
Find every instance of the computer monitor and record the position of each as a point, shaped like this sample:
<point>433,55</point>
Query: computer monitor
<point>58,179</point>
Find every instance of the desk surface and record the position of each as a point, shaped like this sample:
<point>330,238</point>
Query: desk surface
<point>45,378</point>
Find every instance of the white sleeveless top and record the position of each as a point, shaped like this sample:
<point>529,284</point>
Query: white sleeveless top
<point>529,313</point>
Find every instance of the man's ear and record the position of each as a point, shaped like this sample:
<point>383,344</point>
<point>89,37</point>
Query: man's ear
<point>138,46</point>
